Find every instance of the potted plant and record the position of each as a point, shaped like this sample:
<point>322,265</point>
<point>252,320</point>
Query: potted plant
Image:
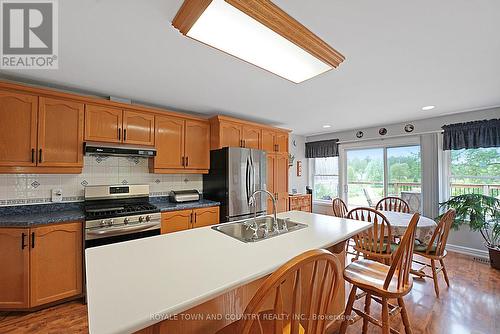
<point>481,213</point>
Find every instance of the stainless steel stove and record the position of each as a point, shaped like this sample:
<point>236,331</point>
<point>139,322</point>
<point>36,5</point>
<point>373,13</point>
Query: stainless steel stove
<point>119,213</point>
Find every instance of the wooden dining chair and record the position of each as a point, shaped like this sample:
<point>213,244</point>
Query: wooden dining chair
<point>435,250</point>
<point>393,204</point>
<point>381,283</point>
<point>302,289</point>
<point>339,208</point>
<point>374,243</point>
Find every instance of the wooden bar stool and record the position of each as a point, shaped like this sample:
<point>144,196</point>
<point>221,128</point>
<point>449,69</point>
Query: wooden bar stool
<point>294,299</point>
<point>393,204</point>
<point>374,243</point>
<point>435,250</point>
<point>381,282</point>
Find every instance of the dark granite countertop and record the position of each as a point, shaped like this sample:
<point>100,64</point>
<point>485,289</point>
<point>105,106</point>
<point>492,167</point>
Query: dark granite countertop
<point>164,205</point>
<point>40,214</point>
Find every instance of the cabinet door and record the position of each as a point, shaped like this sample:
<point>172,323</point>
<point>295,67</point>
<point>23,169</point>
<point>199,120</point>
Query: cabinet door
<point>14,261</point>
<point>251,137</point>
<point>60,133</point>
<point>206,216</point>
<point>281,181</point>
<point>138,128</point>
<point>281,142</point>
<point>197,147</point>
<point>55,262</point>
<point>18,115</point>
<point>176,221</point>
<point>103,124</point>
<point>268,138</point>
<point>230,134</point>
<point>169,142</point>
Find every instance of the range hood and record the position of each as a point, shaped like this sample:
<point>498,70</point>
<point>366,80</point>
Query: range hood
<point>118,150</point>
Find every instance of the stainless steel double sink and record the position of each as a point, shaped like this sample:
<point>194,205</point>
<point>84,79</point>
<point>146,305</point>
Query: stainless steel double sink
<point>260,228</point>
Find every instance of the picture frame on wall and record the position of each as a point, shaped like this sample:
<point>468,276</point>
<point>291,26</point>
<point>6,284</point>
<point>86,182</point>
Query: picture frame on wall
<point>299,168</point>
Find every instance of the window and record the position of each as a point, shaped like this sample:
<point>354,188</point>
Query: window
<point>475,171</point>
<point>373,173</point>
<point>325,179</point>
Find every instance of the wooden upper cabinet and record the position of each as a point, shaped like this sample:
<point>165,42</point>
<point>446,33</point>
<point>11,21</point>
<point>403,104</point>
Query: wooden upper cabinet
<point>281,141</point>
<point>138,128</point>
<point>60,133</point>
<point>55,262</point>
<point>268,138</point>
<point>231,134</point>
<point>103,124</point>
<point>251,137</point>
<point>18,129</point>
<point>14,261</point>
<point>169,142</point>
<point>176,221</point>
<point>197,145</point>
<point>206,216</point>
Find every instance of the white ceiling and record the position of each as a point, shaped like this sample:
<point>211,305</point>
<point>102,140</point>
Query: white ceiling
<point>401,55</point>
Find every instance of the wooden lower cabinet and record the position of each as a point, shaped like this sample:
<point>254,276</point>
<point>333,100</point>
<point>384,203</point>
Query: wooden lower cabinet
<point>14,264</point>
<point>300,203</point>
<point>175,221</point>
<point>40,265</point>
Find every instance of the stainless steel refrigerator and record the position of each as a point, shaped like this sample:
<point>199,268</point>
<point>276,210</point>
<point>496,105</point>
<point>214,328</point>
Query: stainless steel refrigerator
<point>235,173</point>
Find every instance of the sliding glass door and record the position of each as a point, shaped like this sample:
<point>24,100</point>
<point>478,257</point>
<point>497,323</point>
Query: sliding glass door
<point>375,172</point>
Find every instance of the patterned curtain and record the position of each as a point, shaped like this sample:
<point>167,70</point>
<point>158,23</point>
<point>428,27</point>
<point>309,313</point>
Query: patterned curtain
<point>322,149</point>
<point>472,135</point>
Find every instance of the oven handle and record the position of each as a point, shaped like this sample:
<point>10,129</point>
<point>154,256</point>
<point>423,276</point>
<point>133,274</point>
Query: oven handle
<point>127,229</point>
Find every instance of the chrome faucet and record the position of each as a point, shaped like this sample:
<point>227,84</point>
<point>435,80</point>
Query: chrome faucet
<point>252,200</point>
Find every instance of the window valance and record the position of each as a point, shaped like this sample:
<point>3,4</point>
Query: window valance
<point>475,134</point>
<point>322,149</point>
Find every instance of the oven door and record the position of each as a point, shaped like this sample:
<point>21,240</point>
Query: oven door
<point>103,239</point>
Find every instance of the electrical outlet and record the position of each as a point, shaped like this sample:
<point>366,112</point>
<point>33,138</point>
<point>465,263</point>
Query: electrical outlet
<point>56,195</point>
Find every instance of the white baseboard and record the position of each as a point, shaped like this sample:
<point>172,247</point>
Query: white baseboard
<point>468,251</point>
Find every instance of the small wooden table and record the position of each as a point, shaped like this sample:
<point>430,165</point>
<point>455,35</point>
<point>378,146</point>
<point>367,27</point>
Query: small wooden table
<point>399,222</point>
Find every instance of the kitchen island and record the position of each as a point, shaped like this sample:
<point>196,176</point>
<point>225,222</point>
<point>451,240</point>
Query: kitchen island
<point>140,284</point>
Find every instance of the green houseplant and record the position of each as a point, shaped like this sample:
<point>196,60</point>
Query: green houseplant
<point>482,214</point>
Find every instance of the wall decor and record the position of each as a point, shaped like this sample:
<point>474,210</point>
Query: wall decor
<point>359,134</point>
<point>291,159</point>
<point>299,168</point>
<point>294,143</point>
<point>409,128</point>
<point>382,131</point>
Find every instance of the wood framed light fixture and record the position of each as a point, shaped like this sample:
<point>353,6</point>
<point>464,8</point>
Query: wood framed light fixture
<point>260,33</point>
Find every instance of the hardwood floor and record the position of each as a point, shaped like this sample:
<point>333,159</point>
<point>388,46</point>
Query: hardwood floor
<point>470,305</point>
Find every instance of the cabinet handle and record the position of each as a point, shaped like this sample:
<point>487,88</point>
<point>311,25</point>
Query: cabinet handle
<point>32,239</point>
<point>32,155</point>
<point>187,161</point>
<point>195,215</point>
<point>23,237</point>
<point>119,134</point>
<point>124,134</point>
<point>183,161</point>
<point>244,143</point>
<point>40,155</point>
<point>191,219</point>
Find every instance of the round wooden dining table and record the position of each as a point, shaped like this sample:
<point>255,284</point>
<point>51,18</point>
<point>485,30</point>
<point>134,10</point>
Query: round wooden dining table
<point>399,222</point>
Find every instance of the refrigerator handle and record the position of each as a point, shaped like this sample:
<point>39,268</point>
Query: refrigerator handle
<point>247,186</point>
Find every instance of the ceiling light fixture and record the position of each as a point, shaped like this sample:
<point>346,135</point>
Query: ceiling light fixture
<point>327,126</point>
<point>258,32</point>
<point>428,107</point>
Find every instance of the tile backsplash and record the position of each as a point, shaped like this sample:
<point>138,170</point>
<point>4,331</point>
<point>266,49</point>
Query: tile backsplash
<point>19,189</point>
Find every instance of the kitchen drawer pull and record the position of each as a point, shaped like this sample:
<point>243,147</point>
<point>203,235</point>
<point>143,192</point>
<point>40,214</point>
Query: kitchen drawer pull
<point>183,161</point>
<point>187,161</point>
<point>23,238</point>
<point>32,155</point>
<point>40,155</point>
<point>32,239</point>
<point>119,134</point>
<point>124,134</point>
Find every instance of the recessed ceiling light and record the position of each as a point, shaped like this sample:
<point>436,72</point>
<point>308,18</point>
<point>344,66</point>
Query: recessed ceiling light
<point>327,126</point>
<point>258,32</point>
<point>428,107</point>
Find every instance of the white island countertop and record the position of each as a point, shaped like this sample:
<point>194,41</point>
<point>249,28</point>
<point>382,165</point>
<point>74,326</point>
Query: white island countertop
<point>129,283</point>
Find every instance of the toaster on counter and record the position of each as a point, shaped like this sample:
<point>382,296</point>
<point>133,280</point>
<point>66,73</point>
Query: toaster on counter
<point>184,196</point>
